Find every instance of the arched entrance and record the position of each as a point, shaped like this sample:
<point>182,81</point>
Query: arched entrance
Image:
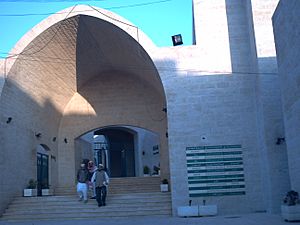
<point>88,68</point>
<point>106,77</point>
<point>123,150</point>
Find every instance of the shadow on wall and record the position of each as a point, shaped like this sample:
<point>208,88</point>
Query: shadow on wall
<point>268,98</point>
<point>18,137</point>
<point>241,36</point>
<point>274,156</point>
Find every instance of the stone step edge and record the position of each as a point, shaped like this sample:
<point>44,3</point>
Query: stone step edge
<point>152,204</point>
<point>95,209</point>
<point>87,214</point>
<point>82,218</point>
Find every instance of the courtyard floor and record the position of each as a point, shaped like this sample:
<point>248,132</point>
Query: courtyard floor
<point>245,219</point>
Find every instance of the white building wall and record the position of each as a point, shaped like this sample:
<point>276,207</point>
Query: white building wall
<point>217,93</point>
<point>217,109</point>
<point>273,157</point>
<point>211,33</point>
<point>210,104</point>
<point>287,38</point>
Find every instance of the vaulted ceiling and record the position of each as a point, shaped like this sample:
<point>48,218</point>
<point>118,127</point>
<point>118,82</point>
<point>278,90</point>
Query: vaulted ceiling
<point>66,56</point>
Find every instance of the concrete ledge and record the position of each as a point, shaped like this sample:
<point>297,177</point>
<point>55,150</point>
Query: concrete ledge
<point>185,211</point>
<point>29,192</point>
<point>290,213</point>
<point>208,210</point>
<point>47,192</point>
<point>197,210</point>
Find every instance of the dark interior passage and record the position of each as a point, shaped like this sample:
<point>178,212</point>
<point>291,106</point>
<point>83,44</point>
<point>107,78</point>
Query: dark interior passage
<point>120,152</point>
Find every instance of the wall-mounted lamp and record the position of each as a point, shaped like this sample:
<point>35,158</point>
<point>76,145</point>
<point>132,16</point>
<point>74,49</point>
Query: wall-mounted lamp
<point>177,39</point>
<point>38,135</point>
<point>53,157</point>
<point>54,139</point>
<point>279,141</point>
<point>167,135</point>
<point>66,140</point>
<point>164,109</point>
<point>8,120</point>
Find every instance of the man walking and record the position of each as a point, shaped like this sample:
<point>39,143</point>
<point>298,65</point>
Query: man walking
<point>82,179</point>
<point>101,180</point>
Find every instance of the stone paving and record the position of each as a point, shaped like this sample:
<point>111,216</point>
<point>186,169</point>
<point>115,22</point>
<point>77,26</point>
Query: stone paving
<point>245,219</point>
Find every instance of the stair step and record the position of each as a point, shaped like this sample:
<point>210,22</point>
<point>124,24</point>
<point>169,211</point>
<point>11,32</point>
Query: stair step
<point>74,204</point>
<point>82,215</point>
<point>122,185</point>
<point>88,209</point>
<point>127,197</point>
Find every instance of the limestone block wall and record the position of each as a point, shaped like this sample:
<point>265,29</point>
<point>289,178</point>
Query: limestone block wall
<point>207,108</point>
<point>17,138</point>
<point>241,36</point>
<point>211,103</point>
<point>286,31</point>
<point>33,95</point>
<point>211,31</point>
<point>274,157</point>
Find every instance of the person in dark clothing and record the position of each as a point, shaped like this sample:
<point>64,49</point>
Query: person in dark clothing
<point>82,183</point>
<point>92,169</point>
<point>101,180</point>
<point>86,163</point>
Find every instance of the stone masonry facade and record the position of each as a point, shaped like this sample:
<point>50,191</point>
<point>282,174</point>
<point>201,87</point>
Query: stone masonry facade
<point>85,71</point>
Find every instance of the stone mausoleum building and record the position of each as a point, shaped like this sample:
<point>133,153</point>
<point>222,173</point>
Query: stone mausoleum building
<point>219,118</point>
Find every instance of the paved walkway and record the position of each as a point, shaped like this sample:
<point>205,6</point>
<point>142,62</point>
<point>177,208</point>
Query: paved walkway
<point>247,219</point>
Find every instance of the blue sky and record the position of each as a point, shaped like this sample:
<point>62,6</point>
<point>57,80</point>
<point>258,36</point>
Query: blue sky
<point>159,19</point>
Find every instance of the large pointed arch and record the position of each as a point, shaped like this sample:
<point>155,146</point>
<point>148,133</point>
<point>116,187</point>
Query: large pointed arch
<point>80,69</point>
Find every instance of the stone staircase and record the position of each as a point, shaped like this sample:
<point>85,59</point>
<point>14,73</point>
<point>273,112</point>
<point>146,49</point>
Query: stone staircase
<point>123,185</point>
<point>123,200</point>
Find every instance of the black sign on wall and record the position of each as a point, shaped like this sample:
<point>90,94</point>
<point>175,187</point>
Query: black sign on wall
<point>215,170</point>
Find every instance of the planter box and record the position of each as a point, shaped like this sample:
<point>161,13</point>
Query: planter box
<point>185,211</point>
<point>164,187</point>
<point>208,210</point>
<point>197,210</point>
<point>290,213</point>
<point>29,192</point>
<point>46,192</point>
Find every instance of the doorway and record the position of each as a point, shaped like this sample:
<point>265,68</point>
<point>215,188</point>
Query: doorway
<point>120,151</point>
<point>124,151</point>
<point>42,172</point>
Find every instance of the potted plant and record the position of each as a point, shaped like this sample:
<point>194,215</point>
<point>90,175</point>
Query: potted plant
<point>156,171</point>
<point>290,210</point>
<point>164,186</point>
<point>146,171</point>
<point>30,189</point>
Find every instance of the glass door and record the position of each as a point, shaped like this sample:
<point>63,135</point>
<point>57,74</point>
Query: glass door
<point>42,172</point>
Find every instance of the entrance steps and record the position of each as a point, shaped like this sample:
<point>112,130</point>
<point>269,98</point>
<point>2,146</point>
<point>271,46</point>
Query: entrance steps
<point>123,185</point>
<point>68,207</point>
<point>127,197</point>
